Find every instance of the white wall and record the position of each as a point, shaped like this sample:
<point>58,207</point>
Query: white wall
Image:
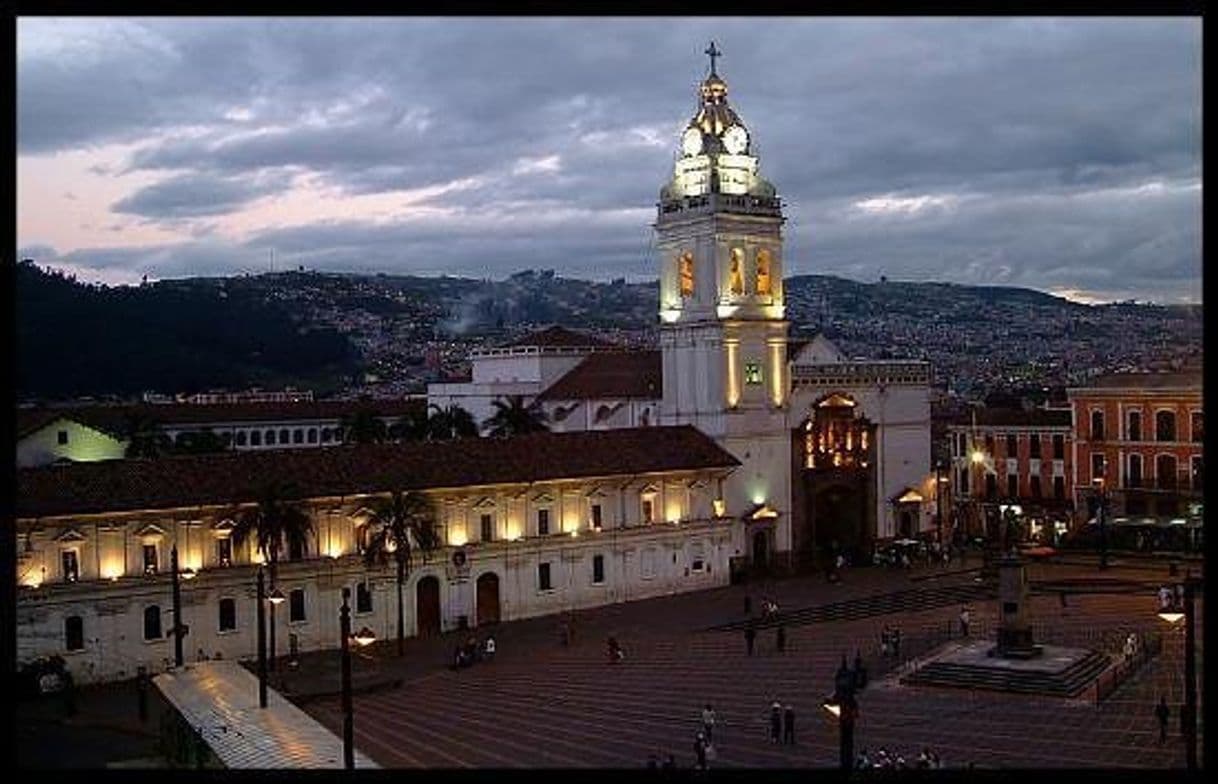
<point>84,444</point>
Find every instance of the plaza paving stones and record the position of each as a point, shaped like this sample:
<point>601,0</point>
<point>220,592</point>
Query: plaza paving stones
<point>543,705</point>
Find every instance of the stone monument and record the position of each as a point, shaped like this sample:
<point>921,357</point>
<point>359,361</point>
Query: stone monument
<point>1014,631</point>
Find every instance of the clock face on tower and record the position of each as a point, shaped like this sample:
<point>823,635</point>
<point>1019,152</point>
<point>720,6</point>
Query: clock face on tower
<point>691,141</point>
<point>735,140</point>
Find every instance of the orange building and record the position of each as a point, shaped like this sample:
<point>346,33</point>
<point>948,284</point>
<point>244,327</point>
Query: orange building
<point>1140,434</point>
<point>1021,458</point>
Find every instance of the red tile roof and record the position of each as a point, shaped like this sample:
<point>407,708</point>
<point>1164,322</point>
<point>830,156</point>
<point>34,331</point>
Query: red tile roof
<point>113,418</point>
<point>614,374</point>
<point>557,337</point>
<point>174,482</point>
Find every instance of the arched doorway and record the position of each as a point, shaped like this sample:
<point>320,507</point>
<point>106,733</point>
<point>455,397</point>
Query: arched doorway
<point>427,606</point>
<point>488,598</point>
<point>761,550</point>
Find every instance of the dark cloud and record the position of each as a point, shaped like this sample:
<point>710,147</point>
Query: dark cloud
<point>198,195</point>
<point>1034,134</point>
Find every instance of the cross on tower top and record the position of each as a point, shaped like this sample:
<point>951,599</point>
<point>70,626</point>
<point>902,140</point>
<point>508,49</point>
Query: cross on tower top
<point>713,52</point>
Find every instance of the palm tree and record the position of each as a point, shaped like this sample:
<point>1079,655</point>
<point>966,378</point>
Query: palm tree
<point>145,437</point>
<point>270,524</point>
<point>364,426</point>
<point>204,442</point>
<point>411,427</point>
<point>513,417</point>
<point>445,424</point>
<point>398,526</point>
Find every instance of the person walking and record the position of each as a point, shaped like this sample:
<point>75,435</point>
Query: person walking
<point>748,604</point>
<point>1161,713</point>
<point>750,636</point>
<point>780,638</point>
<point>489,648</point>
<point>860,672</point>
<point>775,721</point>
<point>708,723</point>
<point>700,751</point>
<point>896,642</point>
<point>964,621</point>
<point>788,725</point>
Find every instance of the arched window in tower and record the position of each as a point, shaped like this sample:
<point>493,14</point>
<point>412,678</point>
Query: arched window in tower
<point>685,269</point>
<point>763,272</point>
<point>736,272</point>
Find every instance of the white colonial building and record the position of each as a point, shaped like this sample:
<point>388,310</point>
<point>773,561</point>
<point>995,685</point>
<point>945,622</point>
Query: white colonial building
<point>531,525</point>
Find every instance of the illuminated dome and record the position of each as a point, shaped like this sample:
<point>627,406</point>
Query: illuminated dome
<point>716,149</point>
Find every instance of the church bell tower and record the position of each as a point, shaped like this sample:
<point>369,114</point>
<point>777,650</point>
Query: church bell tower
<point>723,334</point>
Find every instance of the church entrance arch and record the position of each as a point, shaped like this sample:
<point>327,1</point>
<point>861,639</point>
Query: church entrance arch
<point>833,452</point>
<point>427,606</point>
<point>488,598</point>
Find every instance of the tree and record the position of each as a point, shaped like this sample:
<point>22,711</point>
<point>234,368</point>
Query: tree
<point>513,417</point>
<point>413,426</point>
<point>445,424</point>
<point>364,426</point>
<point>145,437</point>
<point>204,442</point>
<point>398,526</point>
<point>270,524</point>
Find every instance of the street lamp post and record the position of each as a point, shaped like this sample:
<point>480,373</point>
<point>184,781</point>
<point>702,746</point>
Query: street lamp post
<point>179,629</point>
<point>1101,512</point>
<point>276,598</point>
<point>843,706</point>
<point>1189,717</point>
<point>348,710</point>
<point>261,639</point>
<point>363,637</point>
<point>940,480</point>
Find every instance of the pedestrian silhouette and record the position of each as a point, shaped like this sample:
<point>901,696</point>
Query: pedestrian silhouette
<point>775,721</point>
<point>1161,713</point>
<point>788,726</point>
<point>750,635</point>
<point>748,604</point>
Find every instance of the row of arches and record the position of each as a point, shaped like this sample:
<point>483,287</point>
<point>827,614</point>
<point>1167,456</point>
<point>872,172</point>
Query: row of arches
<point>761,279</point>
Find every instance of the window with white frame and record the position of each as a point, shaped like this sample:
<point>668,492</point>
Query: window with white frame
<point>543,522</point>
<point>647,511</point>
<point>598,569</point>
<point>648,563</point>
<point>487,521</point>
<point>152,623</point>
<point>597,520</point>
<point>296,606</point>
<point>543,577</point>
<point>70,562</point>
<point>150,558</point>
<point>697,557</point>
<point>224,551</point>
<point>228,615</point>
<point>74,633</point>
<point>1133,426</point>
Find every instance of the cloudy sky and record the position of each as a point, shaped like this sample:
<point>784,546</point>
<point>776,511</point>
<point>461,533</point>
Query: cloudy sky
<point>1062,155</point>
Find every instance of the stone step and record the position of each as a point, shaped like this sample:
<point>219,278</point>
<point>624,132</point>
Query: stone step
<point>1067,683</point>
